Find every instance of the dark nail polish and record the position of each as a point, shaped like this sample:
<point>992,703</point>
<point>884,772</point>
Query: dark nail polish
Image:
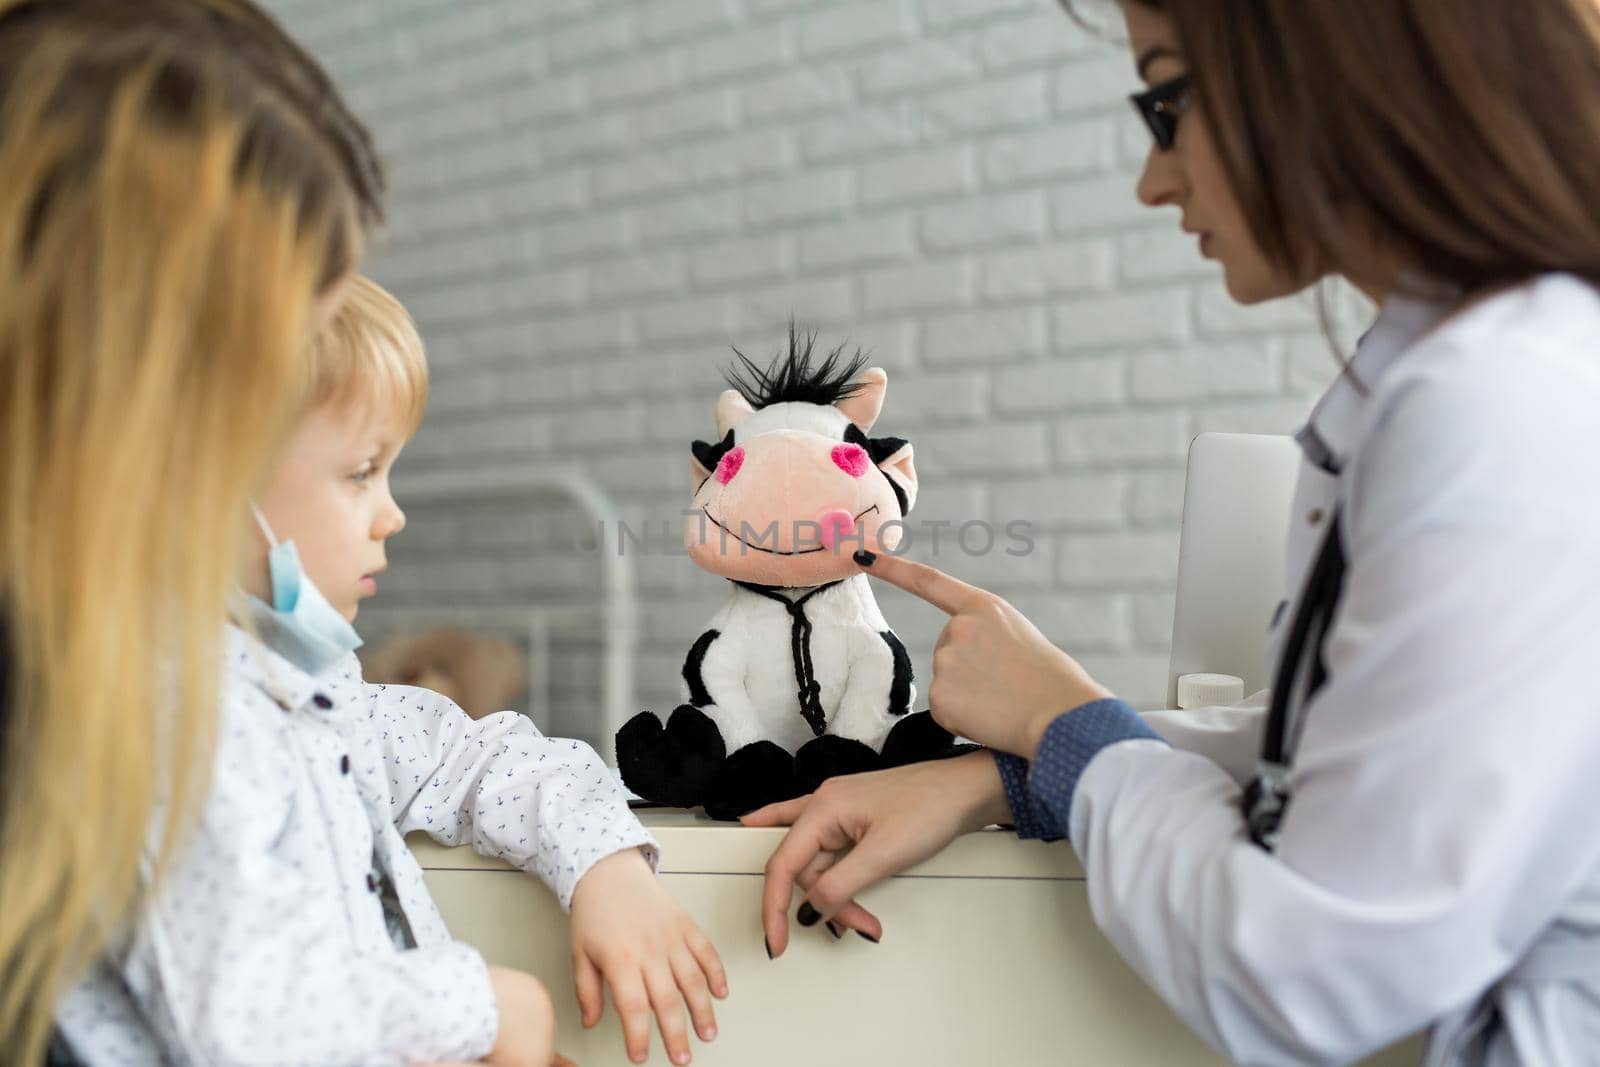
<point>807,915</point>
<point>835,931</point>
<point>768,942</point>
<point>866,937</point>
<point>865,558</point>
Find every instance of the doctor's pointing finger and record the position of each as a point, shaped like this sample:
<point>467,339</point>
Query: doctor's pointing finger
<point>996,679</point>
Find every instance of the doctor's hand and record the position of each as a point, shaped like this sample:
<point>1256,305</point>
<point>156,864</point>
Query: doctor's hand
<point>859,829</point>
<point>628,931</point>
<point>996,679</point>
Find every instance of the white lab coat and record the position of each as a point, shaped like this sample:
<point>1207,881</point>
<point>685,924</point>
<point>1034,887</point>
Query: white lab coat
<point>1443,839</point>
<point>268,942</point>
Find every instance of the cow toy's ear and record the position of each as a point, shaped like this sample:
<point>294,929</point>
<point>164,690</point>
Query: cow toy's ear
<point>892,456</point>
<point>732,409</point>
<point>863,406</point>
<point>704,457</point>
<point>901,471</point>
<point>697,473</point>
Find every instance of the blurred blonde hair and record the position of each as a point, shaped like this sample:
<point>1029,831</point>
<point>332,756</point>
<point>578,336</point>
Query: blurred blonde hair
<point>179,186</point>
<point>369,358</point>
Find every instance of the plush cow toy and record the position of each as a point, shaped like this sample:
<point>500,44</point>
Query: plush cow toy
<point>797,678</point>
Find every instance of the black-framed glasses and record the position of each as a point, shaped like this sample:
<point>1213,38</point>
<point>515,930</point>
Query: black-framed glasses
<point>1161,106</point>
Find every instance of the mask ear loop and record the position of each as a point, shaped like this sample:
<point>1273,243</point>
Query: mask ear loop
<point>261,521</point>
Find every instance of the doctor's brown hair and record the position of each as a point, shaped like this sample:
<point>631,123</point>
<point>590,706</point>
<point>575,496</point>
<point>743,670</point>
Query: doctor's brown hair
<point>1462,136</point>
<point>181,187</point>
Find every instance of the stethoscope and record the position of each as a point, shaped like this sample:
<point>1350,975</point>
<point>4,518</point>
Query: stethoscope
<point>1297,680</point>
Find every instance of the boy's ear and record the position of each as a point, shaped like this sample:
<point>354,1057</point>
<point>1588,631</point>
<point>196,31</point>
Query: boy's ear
<point>901,471</point>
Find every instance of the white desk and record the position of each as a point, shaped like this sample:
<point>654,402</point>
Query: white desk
<point>989,956</point>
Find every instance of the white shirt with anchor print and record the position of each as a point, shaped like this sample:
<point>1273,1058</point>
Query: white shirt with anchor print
<point>267,941</point>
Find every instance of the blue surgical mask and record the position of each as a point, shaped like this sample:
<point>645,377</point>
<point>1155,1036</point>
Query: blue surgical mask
<point>300,625</point>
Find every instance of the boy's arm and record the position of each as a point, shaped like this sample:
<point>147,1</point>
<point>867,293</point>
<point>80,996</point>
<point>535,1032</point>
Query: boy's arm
<point>547,805</point>
<point>239,959</point>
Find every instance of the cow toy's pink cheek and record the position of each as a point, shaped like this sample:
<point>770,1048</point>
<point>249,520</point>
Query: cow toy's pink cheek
<point>852,459</point>
<point>729,466</point>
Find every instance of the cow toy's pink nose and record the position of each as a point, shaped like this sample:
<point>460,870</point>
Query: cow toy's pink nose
<point>837,525</point>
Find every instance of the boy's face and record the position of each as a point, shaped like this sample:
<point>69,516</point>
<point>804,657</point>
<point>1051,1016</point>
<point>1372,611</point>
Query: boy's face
<point>330,495</point>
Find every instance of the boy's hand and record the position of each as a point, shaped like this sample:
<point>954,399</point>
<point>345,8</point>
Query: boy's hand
<point>627,929</point>
<point>557,1061</point>
<point>527,1024</point>
<point>527,1032</point>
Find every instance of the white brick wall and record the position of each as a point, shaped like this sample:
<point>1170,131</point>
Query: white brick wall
<point>593,198</point>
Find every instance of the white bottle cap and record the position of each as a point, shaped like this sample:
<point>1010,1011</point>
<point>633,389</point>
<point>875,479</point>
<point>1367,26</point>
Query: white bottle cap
<point>1208,690</point>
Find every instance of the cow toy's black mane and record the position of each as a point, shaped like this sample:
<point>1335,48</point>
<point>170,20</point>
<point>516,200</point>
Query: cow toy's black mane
<point>791,378</point>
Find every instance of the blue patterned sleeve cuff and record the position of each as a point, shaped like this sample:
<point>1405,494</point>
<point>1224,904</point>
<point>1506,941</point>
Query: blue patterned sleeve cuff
<point>1033,820</point>
<point>1068,746</point>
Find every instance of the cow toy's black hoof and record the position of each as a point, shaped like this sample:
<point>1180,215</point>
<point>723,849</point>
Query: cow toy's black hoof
<point>828,756</point>
<point>916,738</point>
<point>672,765</point>
<point>756,775</point>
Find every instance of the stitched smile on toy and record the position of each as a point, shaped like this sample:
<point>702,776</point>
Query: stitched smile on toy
<point>774,551</point>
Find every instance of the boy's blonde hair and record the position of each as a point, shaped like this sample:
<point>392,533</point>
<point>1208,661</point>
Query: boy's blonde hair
<point>369,357</point>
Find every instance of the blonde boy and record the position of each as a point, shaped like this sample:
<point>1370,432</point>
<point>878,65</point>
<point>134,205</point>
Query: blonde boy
<point>296,928</point>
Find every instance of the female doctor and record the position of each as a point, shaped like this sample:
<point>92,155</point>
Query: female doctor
<point>1418,843</point>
